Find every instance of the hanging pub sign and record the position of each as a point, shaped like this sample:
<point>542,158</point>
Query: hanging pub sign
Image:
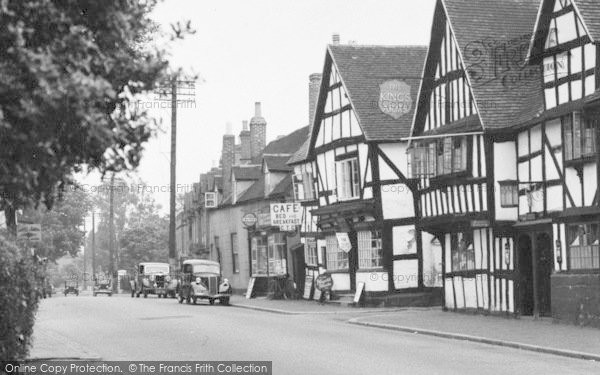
<point>324,282</point>
<point>286,215</point>
<point>249,220</point>
<point>264,219</point>
<point>343,241</point>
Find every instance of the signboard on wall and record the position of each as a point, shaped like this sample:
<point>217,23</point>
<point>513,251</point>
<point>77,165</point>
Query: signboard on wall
<point>249,220</point>
<point>359,290</point>
<point>286,215</point>
<point>324,282</point>
<point>344,241</point>
<point>264,219</point>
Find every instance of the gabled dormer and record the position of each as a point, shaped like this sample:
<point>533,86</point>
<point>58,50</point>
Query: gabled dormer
<point>563,45</point>
<point>274,169</point>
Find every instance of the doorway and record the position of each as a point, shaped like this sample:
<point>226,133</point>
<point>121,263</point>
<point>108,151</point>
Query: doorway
<point>535,264</point>
<point>299,267</point>
<point>525,275</point>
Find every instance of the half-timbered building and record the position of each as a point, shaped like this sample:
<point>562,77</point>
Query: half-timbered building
<point>360,209</point>
<point>474,87</point>
<point>504,147</point>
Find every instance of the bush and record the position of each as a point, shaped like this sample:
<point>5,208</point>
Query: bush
<point>18,301</point>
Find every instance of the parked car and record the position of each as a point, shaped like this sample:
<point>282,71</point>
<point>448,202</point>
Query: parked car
<point>71,287</point>
<point>201,279</point>
<point>151,279</point>
<point>102,285</point>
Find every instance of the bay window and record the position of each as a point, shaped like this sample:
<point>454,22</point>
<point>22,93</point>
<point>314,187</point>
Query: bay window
<point>582,246</point>
<point>370,250</point>
<point>348,179</point>
<point>337,259</point>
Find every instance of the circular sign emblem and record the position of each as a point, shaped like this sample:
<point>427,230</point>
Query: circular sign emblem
<point>249,220</point>
<point>394,98</point>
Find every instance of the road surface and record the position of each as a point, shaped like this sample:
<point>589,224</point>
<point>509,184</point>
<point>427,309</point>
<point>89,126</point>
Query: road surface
<point>122,328</point>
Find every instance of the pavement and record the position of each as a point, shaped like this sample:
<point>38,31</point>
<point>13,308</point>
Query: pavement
<point>124,328</point>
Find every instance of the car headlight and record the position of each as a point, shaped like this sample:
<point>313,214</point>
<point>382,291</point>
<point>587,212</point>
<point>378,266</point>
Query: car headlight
<point>198,280</point>
<point>168,278</point>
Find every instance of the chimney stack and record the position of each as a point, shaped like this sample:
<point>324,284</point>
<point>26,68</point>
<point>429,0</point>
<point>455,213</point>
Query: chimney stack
<point>335,38</point>
<point>314,85</point>
<point>245,144</point>
<point>258,132</point>
<point>227,160</point>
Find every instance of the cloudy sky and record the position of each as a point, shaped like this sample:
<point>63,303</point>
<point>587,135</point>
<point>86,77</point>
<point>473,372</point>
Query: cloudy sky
<point>246,51</point>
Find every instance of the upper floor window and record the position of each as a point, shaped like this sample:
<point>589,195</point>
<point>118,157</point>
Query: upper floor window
<point>348,179</point>
<point>304,187</point>
<point>210,200</point>
<point>509,193</point>
<point>370,250</point>
<point>444,156</point>
<point>579,136</point>
<point>582,246</point>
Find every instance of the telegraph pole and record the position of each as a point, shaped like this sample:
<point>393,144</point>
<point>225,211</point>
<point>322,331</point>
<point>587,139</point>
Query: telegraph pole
<point>84,256</point>
<point>172,224</point>
<point>111,228</point>
<point>93,244</point>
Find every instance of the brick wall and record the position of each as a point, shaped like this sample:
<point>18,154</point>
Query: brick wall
<point>258,132</point>
<point>576,299</point>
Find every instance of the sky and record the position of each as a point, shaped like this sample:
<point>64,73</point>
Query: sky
<point>247,51</point>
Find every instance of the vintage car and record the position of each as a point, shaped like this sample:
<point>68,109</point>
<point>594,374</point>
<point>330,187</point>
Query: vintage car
<point>103,285</point>
<point>151,279</point>
<point>71,287</point>
<point>201,279</point>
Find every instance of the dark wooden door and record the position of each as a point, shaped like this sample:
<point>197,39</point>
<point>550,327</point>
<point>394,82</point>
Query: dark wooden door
<point>545,264</point>
<point>299,268</point>
<point>525,259</point>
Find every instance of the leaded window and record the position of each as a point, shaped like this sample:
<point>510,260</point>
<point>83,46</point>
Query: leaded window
<point>337,259</point>
<point>582,249</point>
<point>370,249</point>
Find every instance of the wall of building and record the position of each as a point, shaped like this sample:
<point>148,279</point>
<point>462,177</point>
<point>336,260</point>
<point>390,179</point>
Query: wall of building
<point>576,299</point>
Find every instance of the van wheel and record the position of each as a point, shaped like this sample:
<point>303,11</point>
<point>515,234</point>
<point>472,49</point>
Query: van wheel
<point>224,301</point>
<point>180,299</point>
<point>211,301</point>
<point>145,294</point>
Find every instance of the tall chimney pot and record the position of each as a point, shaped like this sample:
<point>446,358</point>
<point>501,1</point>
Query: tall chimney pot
<point>244,125</point>
<point>335,38</point>
<point>257,110</point>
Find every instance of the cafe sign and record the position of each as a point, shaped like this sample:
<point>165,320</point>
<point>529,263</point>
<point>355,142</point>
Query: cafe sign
<point>286,215</point>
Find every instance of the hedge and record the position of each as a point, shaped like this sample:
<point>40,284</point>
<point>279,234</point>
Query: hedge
<point>18,300</point>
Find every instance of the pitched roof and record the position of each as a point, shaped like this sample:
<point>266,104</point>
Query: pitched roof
<point>363,69</point>
<point>490,36</point>
<point>300,155</point>
<point>246,172</point>
<point>277,163</point>
<point>288,144</point>
<point>590,12</point>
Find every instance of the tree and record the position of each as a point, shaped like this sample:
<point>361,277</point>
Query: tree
<point>62,227</point>
<point>69,72</point>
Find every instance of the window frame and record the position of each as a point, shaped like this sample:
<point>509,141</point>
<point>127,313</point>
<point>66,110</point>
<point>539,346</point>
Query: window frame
<point>576,134</point>
<point>337,259</point>
<point>370,249</point>
<point>594,255</point>
<point>455,249</point>
<point>514,194</point>
<point>311,257</point>
<point>348,189</point>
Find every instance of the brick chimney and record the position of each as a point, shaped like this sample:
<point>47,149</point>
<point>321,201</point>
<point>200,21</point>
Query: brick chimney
<point>314,84</point>
<point>245,141</point>
<point>227,159</point>
<point>258,132</point>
